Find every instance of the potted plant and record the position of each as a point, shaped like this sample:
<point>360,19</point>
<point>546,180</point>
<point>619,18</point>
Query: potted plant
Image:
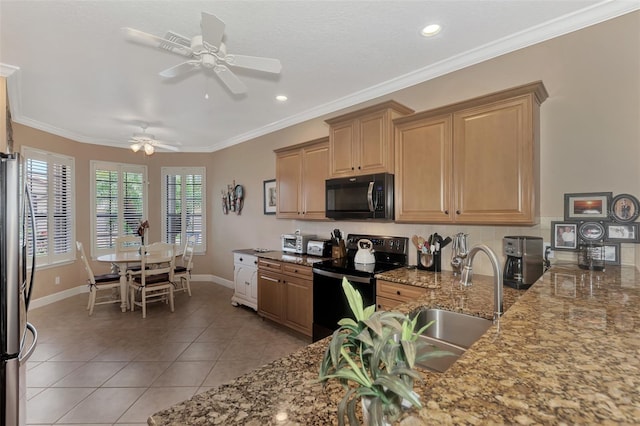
<point>373,356</point>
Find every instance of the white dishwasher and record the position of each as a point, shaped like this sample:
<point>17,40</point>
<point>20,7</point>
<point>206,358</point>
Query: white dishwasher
<point>245,280</point>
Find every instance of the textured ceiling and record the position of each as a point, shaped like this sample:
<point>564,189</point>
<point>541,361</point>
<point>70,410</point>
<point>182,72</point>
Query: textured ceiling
<point>71,72</point>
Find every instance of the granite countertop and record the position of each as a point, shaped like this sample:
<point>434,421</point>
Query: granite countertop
<point>566,351</point>
<point>298,259</point>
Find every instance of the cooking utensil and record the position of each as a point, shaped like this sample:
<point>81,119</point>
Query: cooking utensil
<point>415,242</point>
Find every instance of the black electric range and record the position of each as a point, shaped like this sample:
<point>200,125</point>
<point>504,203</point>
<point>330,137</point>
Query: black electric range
<point>329,302</point>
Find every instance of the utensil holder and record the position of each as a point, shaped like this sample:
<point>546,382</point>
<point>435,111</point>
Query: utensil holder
<point>430,261</point>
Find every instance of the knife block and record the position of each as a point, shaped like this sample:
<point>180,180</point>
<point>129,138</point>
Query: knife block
<point>339,250</point>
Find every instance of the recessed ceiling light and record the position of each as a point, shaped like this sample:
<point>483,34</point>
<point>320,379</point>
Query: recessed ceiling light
<point>431,30</point>
<point>281,98</point>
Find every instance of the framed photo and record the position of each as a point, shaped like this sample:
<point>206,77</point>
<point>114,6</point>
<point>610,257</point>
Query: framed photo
<point>591,231</point>
<point>587,206</point>
<point>611,254</point>
<point>565,285</point>
<point>564,236</point>
<point>269,196</point>
<point>621,232</point>
<point>624,208</point>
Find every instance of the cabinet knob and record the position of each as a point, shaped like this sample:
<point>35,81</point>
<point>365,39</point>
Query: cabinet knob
<point>446,212</point>
<point>398,292</point>
<point>255,262</point>
<point>359,167</point>
<point>352,168</point>
<point>241,259</point>
<point>247,283</point>
<point>457,211</point>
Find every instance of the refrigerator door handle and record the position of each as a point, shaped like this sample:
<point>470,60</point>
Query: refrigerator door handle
<point>29,201</point>
<point>25,356</point>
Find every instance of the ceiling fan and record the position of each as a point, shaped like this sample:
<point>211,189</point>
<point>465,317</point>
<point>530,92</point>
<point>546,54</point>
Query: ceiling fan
<point>206,51</point>
<point>147,142</point>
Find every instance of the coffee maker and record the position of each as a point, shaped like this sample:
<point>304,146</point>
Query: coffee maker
<point>524,263</point>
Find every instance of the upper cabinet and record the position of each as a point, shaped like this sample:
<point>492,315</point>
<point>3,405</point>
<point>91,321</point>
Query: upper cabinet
<point>361,142</point>
<point>474,162</point>
<point>300,174</point>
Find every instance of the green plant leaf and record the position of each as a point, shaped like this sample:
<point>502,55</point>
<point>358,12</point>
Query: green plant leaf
<point>409,349</point>
<point>351,412</point>
<point>397,386</point>
<point>368,311</point>
<point>354,298</point>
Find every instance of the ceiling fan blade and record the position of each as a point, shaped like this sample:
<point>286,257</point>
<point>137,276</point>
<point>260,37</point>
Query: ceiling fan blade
<point>155,41</point>
<point>212,29</point>
<point>255,63</point>
<point>179,69</point>
<point>167,147</point>
<point>235,85</point>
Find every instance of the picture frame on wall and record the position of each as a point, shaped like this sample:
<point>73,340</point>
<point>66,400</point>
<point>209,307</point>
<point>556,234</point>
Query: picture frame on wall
<point>591,231</point>
<point>624,208</point>
<point>269,196</point>
<point>621,232</point>
<point>564,236</point>
<point>587,206</point>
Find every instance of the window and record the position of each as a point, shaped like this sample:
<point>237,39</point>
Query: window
<point>50,180</point>
<point>183,201</point>
<point>119,194</point>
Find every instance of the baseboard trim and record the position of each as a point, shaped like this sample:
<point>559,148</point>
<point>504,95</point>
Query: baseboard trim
<point>61,295</point>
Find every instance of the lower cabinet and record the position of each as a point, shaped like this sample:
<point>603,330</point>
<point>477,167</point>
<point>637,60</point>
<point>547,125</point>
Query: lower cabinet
<point>245,280</point>
<point>285,294</point>
<point>390,294</point>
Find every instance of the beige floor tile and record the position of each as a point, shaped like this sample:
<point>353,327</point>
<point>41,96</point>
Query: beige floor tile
<point>31,392</point>
<point>51,404</point>
<point>154,400</point>
<point>85,352</point>
<point>216,333</point>
<point>227,370</point>
<point>184,373</point>
<point>138,374</point>
<point>183,334</point>
<point>168,351</point>
<point>47,373</point>
<point>90,375</point>
<point>243,350</point>
<point>202,352</point>
<point>46,351</point>
<point>105,405</point>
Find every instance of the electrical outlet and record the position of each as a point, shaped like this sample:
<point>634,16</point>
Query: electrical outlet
<point>545,247</point>
<point>57,280</point>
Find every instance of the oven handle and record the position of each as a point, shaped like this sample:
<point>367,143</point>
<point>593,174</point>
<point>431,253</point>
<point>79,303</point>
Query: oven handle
<point>339,276</point>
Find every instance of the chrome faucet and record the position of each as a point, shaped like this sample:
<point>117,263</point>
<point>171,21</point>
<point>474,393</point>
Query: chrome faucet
<point>467,272</point>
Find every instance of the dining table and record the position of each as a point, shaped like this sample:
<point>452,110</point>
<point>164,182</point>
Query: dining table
<point>123,260</point>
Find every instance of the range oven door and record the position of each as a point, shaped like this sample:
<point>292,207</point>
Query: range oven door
<point>330,304</point>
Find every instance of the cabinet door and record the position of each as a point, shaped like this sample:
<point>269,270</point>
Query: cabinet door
<point>243,277</point>
<point>298,309</point>
<point>315,172</point>
<point>341,148</point>
<point>493,163</point>
<point>289,184</point>
<point>374,146</point>
<point>270,295</point>
<point>423,175</point>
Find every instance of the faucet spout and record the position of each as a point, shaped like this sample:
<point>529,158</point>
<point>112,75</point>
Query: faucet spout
<point>467,274</point>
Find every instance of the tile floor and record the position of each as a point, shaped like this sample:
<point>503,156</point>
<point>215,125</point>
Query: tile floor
<point>115,368</point>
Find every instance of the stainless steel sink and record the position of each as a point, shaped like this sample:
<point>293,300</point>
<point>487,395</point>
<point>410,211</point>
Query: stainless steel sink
<point>453,332</point>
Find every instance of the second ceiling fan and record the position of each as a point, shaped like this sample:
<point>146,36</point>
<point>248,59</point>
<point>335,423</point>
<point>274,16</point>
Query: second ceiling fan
<point>206,51</point>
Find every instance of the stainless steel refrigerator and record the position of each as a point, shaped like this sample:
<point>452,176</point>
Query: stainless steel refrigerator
<point>18,337</point>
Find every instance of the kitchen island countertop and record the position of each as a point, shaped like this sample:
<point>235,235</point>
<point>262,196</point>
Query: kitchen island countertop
<point>280,256</point>
<point>566,350</point>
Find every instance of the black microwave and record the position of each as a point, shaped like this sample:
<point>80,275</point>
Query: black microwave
<point>360,197</point>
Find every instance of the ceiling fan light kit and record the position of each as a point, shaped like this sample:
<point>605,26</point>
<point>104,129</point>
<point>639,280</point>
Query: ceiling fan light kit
<point>206,51</point>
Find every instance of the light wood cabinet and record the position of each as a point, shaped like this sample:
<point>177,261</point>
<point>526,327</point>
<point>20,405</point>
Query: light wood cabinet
<point>301,171</point>
<point>389,294</point>
<point>475,162</point>
<point>285,294</point>
<point>361,142</point>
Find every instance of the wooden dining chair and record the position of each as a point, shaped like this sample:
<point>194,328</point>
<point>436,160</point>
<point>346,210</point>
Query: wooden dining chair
<point>98,283</point>
<point>154,281</point>
<point>183,271</point>
<point>128,243</point>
